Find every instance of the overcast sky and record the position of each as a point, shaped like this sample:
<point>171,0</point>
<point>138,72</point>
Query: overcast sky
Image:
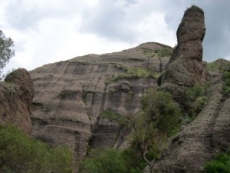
<point>46,31</point>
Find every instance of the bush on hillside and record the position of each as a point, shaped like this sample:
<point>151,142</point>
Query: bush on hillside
<point>21,154</point>
<point>220,164</point>
<point>104,161</point>
<point>196,99</point>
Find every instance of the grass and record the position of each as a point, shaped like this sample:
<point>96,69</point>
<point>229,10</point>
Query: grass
<point>164,52</point>
<point>212,66</point>
<point>114,116</point>
<point>132,72</point>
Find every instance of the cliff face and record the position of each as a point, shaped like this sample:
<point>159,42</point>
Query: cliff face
<point>70,95</point>
<point>16,95</point>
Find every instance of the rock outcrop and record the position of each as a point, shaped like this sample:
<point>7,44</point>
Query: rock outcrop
<point>16,95</point>
<point>208,133</point>
<point>71,95</point>
<point>191,148</point>
<point>185,67</point>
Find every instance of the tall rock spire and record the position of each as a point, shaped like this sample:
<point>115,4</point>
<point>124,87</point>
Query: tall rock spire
<point>185,66</point>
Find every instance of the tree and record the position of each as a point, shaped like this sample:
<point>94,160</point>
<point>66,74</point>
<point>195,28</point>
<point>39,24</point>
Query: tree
<point>6,51</point>
<point>158,120</point>
<point>104,161</point>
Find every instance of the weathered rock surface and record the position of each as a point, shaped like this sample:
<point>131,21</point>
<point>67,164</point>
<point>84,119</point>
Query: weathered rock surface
<point>197,142</point>
<point>70,95</point>
<point>16,95</point>
<point>185,66</point>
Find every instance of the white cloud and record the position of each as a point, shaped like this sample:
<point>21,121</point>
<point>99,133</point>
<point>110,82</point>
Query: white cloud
<point>49,31</point>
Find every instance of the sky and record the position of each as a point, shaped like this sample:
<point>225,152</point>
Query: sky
<point>48,31</point>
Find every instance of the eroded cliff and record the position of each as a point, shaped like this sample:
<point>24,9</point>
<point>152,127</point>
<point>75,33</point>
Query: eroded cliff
<point>71,95</point>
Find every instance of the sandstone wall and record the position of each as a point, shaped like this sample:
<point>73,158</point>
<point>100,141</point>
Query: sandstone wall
<point>70,95</point>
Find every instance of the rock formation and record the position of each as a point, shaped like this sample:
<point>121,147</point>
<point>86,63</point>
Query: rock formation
<point>185,67</point>
<point>16,95</point>
<point>70,96</point>
<point>208,134</point>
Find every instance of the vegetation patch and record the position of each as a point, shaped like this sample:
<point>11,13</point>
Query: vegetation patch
<point>164,52</point>
<point>213,66</point>
<point>220,163</point>
<point>132,72</point>
<point>226,86</point>
<point>114,116</point>
<point>196,99</point>
<point>104,161</point>
<point>19,153</point>
<point>151,127</point>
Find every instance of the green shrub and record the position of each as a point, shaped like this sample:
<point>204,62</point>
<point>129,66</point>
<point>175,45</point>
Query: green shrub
<point>114,116</point>
<point>220,164</point>
<point>19,153</point>
<point>151,127</point>
<point>226,86</point>
<point>161,109</point>
<point>213,66</point>
<point>164,52</point>
<point>104,161</point>
<point>196,99</point>
<point>133,160</point>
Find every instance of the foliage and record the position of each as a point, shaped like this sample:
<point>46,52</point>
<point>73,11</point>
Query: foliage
<point>132,72</point>
<point>158,120</point>
<point>213,66</point>
<point>114,116</point>
<point>164,52</point>
<point>219,65</point>
<point>6,51</point>
<point>19,153</point>
<point>150,128</point>
<point>226,86</point>
<point>104,161</point>
<point>133,160</point>
<point>221,163</point>
<point>196,99</point>
<point>160,108</point>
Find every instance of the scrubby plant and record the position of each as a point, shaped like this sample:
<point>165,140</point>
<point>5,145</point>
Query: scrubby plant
<point>104,161</point>
<point>150,129</point>
<point>132,72</point>
<point>226,86</point>
<point>20,153</point>
<point>164,52</point>
<point>212,66</point>
<point>220,164</point>
<point>158,120</point>
<point>196,99</point>
<point>114,116</point>
<point>6,50</point>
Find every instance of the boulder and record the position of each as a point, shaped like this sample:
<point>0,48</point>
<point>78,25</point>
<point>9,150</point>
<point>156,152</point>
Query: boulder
<point>16,95</point>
